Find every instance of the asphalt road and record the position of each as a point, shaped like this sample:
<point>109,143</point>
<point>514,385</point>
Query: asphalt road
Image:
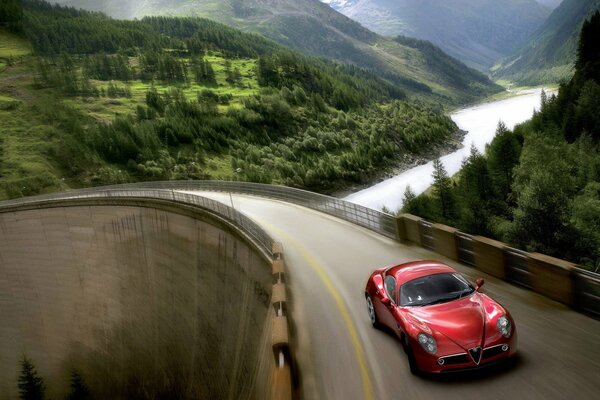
<point>341,356</point>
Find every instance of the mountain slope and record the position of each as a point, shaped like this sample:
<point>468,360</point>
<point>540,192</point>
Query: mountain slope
<point>314,28</point>
<point>104,101</point>
<point>550,3</point>
<point>550,53</point>
<point>477,32</point>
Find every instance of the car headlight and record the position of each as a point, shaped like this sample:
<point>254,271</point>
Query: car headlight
<point>504,326</point>
<point>427,342</point>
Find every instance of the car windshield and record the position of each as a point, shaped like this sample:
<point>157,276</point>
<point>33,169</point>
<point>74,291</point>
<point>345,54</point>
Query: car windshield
<point>434,289</point>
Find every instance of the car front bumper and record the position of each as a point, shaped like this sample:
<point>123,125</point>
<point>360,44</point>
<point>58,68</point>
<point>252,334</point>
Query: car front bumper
<point>491,354</point>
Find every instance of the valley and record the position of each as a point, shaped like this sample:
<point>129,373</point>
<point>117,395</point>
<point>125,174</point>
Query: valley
<point>176,105</point>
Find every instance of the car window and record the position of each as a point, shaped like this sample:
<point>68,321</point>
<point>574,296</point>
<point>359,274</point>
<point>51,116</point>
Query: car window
<point>434,289</point>
<point>390,287</point>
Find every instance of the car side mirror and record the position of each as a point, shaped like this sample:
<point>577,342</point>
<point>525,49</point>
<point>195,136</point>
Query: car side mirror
<point>385,300</point>
<point>479,282</point>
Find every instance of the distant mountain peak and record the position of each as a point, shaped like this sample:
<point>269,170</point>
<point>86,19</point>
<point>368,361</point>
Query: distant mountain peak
<point>550,3</point>
<point>477,32</point>
<point>338,4</point>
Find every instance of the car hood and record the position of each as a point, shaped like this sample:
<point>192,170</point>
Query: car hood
<point>462,321</point>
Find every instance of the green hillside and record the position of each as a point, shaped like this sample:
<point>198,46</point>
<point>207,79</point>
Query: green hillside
<point>314,28</point>
<point>549,55</point>
<point>105,101</point>
<point>536,187</point>
<point>477,32</point>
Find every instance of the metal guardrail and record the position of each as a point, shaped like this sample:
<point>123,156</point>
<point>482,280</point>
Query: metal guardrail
<point>587,291</point>
<point>241,221</point>
<point>517,270</point>
<point>377,221</point>
<point>466,254</point>
<point>426,233</point>
<point>588,283</point>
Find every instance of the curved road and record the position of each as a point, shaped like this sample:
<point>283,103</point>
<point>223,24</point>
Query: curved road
<point>342,357</point>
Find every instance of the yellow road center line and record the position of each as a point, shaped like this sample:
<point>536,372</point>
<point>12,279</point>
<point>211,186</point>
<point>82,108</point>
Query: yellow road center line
<point>341,305</point>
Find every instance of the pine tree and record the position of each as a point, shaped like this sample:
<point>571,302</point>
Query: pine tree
<point>476,194</point>
<point>11,15</point>
<point>544,186</point>
<point>409,197</point>
<point>503,155</point>
<point>31,386</point>
<point>79,390</point>
<point>442,190</point>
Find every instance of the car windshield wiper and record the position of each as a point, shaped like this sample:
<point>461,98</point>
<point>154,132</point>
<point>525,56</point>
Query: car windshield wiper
<point>440,300</point>
<point>454,296</point>
<point>465,293</point>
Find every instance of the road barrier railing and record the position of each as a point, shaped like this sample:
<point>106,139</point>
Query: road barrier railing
<point>587,291</point>
<point>517,267</point>
<point>254,231</point>
<point>284,373</point>
<point>426,234</point>
<point>466,252</point>
<point>554,278</point>
<point>382,223</point>
<point>561,280</point>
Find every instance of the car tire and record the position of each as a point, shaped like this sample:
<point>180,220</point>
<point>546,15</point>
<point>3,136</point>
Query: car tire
<point>412,362</point>
<point>371,311</point>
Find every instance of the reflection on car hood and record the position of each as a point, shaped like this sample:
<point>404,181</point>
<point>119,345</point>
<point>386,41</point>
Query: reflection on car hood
<point>462,321</point>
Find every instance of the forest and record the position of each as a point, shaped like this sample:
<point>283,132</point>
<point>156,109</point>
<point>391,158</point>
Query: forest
<point>538,186</point>
<point>108,101</point>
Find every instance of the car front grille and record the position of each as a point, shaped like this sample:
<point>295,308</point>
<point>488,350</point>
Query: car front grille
<point>463,358</point>
<point>454,359</point>
<point>494,351</point>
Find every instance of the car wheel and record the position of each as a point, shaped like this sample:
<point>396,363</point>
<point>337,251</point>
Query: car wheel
<point>372,313</point>
<point>412,362</point>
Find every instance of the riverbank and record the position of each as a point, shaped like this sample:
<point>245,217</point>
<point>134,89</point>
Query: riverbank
<point>480,123</point>
<point>408,161</point>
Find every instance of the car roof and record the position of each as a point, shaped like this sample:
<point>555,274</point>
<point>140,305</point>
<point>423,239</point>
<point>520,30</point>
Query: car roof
<point>415,269</point>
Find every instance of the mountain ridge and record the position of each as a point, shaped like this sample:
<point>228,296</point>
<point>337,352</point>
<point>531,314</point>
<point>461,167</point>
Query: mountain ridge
<point>314,28</point>
<point>477,32</point>
<point>549,55</point>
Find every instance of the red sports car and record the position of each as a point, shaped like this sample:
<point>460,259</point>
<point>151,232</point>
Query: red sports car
<point>444,322</point>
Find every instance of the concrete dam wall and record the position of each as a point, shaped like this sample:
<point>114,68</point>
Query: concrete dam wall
<point>144,300</point>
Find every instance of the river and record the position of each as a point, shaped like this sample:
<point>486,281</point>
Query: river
<point>479,121</point>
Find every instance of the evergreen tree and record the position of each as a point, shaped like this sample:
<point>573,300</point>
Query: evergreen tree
<point>203,72</point>
<point>421,206</point>
<point>31,386</point>
<point>11,15</point>
<point>544,186</point>
<point>588,51</point>
<point>476,194</point>
<point>443,194</point>
<point>79,390</point>
<point>503,155</point>
<point>409,197</point>
<point>586,219</point>
<point>155,100</point>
